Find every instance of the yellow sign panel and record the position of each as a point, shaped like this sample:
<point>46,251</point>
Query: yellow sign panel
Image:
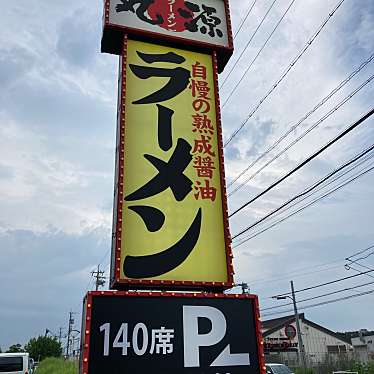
<point>171,223</point>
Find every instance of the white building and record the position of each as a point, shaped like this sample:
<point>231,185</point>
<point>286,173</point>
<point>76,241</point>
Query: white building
<point>320,343</point>
<point>363,344</point>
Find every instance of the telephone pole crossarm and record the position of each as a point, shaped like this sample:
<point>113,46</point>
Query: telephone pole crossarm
<point>100,277</point>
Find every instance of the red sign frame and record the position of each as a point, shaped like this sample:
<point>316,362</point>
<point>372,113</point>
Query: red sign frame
<point>87,314</point>
<point>115,279</point>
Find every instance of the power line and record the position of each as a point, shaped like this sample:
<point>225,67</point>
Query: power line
<point>301,120</point>
<point>346,182</point>
<point>307,191</point>
<point>249,10</point>
<point>86,289</point>
<point>304,207</point>
<point>104,257</point>
<point>319,296</point>
<point>296,274</point>
<point>351,178</point>
<point>360,252</point>
<point>88,286</point>
<point>306,132</point>
<point>283,76</point>
<point>326,283</point>
<point>359,271</point>
<point>310,158</point>
<point>359,259</point>
<point>322,303</point>
<point>356,261</point>
<point>258,54</point>
<point>248,43</point>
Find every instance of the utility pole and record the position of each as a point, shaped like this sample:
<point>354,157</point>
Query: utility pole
<point>70,327</point>
<point>60,335</point>
<point>245,288</point>
<point>301,351</point>
<point>100,278</point>
<point>298,330</point>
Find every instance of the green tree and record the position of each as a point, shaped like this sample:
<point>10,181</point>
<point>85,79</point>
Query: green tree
<point>15,348</point>
<point>43,347</point>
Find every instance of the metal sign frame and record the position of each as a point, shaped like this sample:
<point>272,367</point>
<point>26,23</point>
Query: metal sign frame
<point>87,317</point>
<point>112,38</point>
<point>115,280</point>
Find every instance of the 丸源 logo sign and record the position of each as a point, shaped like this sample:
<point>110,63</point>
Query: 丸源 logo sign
<point>177,15</point>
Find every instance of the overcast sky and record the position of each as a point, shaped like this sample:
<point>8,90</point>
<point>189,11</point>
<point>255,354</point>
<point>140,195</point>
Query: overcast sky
<point>57,136</point>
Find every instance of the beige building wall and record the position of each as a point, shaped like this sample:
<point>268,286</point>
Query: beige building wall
<point>318,344</point>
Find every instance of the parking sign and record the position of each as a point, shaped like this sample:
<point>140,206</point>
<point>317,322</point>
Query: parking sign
<point>168,333</point>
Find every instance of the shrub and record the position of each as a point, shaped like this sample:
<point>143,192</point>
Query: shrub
<point>57,366</point>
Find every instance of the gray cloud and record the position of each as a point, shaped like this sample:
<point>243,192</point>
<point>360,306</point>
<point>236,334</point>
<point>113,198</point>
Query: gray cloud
<point>260,131</point>
<point>78,41</point>
<point>57,111</point>
<point>232,153</point>
<point>6,172</point>
<point>14,64</point>
<point>45,276</point>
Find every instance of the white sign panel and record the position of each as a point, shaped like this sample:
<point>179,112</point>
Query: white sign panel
<point>202,21</point>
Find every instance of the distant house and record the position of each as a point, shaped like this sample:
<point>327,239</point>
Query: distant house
<point>320,343</point>
<point>362,342</point>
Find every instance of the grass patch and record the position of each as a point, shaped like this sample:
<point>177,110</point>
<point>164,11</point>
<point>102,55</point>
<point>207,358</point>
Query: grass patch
<point>57,366</point>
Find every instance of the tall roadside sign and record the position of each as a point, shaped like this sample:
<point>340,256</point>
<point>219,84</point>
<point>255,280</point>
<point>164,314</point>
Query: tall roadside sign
<point>170,220</point>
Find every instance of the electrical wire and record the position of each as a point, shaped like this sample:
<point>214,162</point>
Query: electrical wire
<point>304,207</point>
<point>249,10</point>
<point>359,259</point>
<point>104,257</point>
<point>247,45</point>
<point>305,162</point>
<point>349,180</point>
<point>285,73</point>
<point>314,192</point>
<point>306,132</point>
<point>320,304</point>
<point>319,296</point>
<point>307,191</point>
<point>258,54</point>
<point>322,188</point>
<point>301,272</point>
<point>324,284</point>
<point>360,252</point>
<point>306,116</point>
<point>363,266</point>
<point>356,261</point>
<point>295,274</point>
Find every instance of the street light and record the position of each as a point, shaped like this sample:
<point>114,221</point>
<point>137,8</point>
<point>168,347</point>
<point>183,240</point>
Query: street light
<point>298,329</point>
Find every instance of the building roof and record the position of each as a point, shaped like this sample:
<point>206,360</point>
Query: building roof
<point>355,334</point>
<point>273,325</point>
<point>277,323</point>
